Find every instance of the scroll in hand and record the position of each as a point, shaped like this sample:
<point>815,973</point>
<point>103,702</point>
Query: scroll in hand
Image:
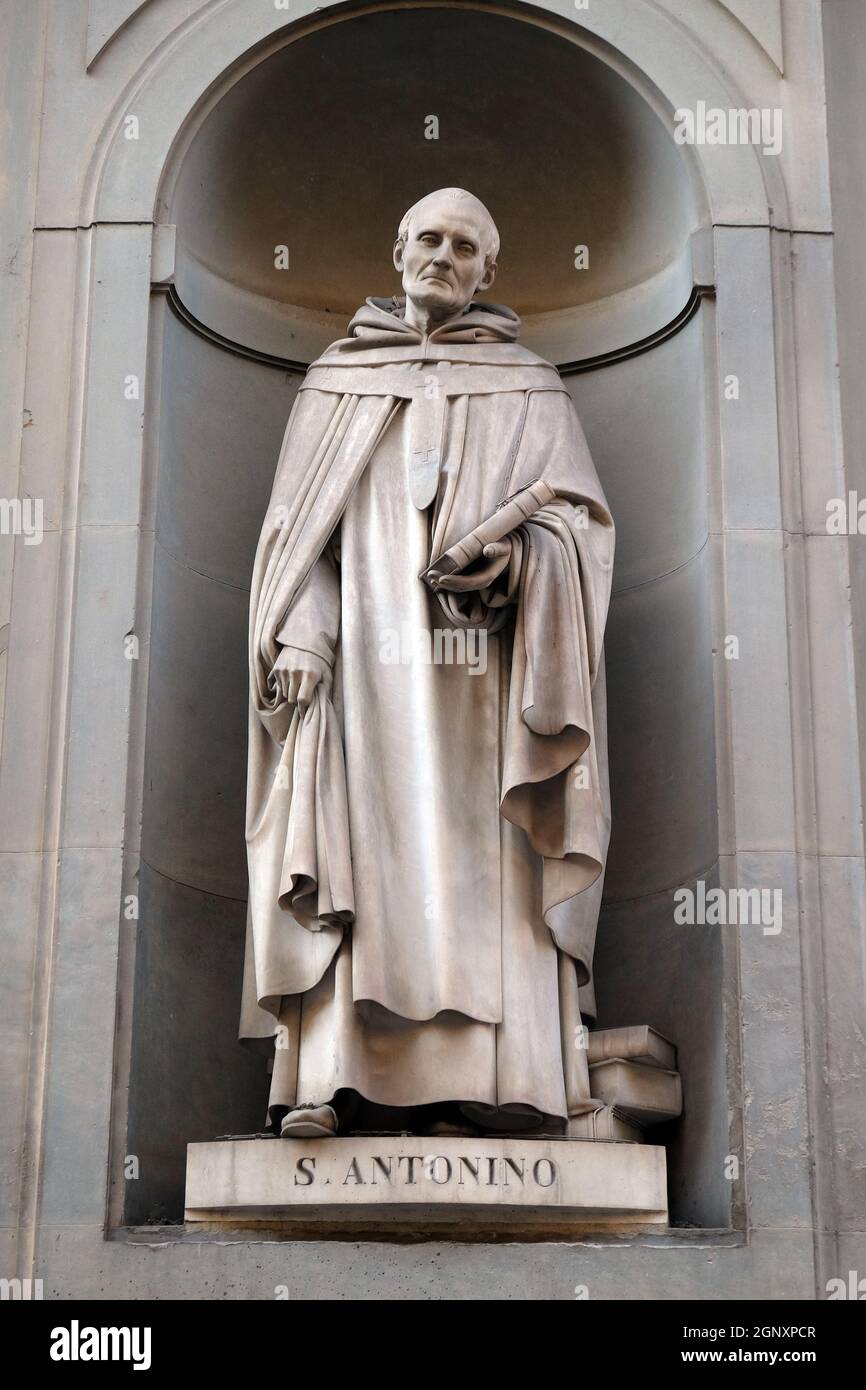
<point>479,559</point>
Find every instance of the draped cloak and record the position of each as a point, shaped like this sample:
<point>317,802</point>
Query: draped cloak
<point>425,838</point>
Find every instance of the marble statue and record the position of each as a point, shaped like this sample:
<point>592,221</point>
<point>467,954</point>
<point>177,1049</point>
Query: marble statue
<point>428,807</point>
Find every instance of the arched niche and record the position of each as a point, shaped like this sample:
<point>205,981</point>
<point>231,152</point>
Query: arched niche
<point>320,147</point>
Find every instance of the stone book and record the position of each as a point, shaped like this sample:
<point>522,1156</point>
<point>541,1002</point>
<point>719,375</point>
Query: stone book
<point>636,1044</point>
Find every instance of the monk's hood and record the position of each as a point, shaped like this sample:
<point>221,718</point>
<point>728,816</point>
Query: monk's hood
<point>379,334</point>
<point>381,322</point>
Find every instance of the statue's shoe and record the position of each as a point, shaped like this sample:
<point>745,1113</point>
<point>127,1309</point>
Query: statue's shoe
<point>309,1122</point>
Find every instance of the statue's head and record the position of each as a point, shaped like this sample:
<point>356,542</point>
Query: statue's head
<point>446,251</point>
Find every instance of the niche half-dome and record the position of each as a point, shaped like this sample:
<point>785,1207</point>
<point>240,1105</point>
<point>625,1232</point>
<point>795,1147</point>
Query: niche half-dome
<point>322,147</point>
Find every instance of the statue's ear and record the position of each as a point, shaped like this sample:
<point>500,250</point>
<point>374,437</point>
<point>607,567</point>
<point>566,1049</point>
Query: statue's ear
<point>398,254</point>
<point>488,276</point>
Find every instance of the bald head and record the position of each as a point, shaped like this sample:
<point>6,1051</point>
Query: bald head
<point>446,251</point>
<point>454,200</point>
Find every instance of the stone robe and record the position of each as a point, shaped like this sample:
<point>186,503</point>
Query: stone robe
<point>426,843</point>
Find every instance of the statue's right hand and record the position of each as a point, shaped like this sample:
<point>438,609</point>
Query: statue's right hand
<point>296,673</point>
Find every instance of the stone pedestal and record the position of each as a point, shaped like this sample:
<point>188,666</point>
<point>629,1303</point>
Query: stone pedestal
<point>376,1182</point>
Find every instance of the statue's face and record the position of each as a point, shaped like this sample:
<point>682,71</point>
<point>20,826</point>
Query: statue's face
<point>443,259</point>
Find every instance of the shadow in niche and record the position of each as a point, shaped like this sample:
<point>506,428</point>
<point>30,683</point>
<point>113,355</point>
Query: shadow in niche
<point>683,1002</point>
<point>222,418</point>
<point>191,1077</point>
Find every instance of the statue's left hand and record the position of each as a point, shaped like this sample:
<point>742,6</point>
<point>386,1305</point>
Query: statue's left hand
<point>496,557</point>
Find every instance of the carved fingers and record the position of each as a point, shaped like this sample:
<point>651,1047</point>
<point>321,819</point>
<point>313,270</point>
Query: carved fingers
<point>494,560</point>
<point>297,673</point>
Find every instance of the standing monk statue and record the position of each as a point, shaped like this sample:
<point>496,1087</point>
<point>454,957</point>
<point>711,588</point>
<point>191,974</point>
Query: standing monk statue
<point>427,802</point>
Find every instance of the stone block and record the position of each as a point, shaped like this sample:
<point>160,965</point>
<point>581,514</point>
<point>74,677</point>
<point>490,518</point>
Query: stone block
<point>426,1181</point>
